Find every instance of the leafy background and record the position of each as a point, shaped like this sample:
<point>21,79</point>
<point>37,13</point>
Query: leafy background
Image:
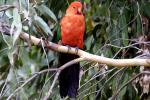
<point>113,29</point>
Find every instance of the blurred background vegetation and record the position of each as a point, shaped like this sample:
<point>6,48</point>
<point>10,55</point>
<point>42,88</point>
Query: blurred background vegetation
<point>114,28</point>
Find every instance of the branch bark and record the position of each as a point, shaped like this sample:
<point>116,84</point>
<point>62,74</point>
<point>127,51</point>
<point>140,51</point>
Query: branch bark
<point>6,7</point>
<point>87,56</point>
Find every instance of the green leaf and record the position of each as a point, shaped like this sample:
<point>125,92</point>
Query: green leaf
<point>57,36</point>
<point>47,12</point>
<point>88,42</point>
<point>146,8</point>
<point>9,13</point>
<point>103,10</point>
<point>42,24</point>
<point>11,52</point>
<point>124,29</point>
<point>123,91</point>
<point>16,25</point>
<point>139,26</point>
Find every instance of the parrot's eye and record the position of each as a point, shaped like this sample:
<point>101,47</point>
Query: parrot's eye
<point>74,7</point>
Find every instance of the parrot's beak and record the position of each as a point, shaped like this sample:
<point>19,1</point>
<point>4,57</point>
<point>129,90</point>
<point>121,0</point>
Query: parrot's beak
<point>79,11</point>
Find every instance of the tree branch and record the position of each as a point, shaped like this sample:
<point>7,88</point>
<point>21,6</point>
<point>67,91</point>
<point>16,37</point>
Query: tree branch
<point>87,56</point>
<point>118,91</point>
<point>58,72</point>
<point>19,88</point>
<point>6,7</point>
<point>31,78</point>
<point>5,29</point>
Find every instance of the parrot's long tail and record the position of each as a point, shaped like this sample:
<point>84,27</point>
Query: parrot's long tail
<point>69,77</point>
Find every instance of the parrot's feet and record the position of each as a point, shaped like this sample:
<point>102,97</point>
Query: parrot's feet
<point>76,50</point>
<point>69,48</point>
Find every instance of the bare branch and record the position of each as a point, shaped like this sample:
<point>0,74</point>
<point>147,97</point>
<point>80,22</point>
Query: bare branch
<point>19,88</point>
<point>58,72</point>
<point>87,56</point>
<point>6,7</point>
<point>28,80</point>
<point>115,95</point>
<point>47,70</point>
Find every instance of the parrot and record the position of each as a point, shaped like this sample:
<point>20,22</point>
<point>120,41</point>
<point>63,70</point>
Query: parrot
<point>72,32</point>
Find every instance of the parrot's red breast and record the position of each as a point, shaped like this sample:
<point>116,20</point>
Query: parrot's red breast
<point>73,26</point>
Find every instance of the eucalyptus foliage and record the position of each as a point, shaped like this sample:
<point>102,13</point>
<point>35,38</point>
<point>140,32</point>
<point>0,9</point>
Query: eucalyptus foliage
<point>111,27</point>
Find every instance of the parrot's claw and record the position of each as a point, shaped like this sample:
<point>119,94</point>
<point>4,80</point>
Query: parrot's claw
<point>76,50</point>
<point>69,48</point>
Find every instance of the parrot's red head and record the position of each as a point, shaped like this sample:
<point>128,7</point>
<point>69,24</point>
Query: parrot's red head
<point>75,8</point>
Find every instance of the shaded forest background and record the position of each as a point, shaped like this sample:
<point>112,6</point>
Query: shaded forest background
<point>114,28</point>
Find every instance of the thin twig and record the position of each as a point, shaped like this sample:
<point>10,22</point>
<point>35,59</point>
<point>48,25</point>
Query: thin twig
<point>45,85</point>
<point>6,7</point>
<point>19,88</point>
<point>3,88</point>
<point>58,72</point>
<point>108,81</point>
<point>28,80</point>
<point>118,91</point>
<point>98,75</point>
<point>47,70</point>
<point>53,84</point>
